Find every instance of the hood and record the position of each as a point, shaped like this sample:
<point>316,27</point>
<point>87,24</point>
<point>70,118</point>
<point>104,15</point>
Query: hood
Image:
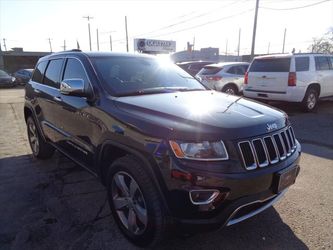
<point>200,114</point>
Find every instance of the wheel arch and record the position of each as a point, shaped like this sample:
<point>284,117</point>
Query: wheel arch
<point>105,159</point>
<point>316,86</point>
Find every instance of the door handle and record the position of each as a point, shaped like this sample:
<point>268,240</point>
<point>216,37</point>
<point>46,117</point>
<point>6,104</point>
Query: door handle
<point>57,98</point>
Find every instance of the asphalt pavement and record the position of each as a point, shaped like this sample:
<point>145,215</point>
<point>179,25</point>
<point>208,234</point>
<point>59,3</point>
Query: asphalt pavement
<point>54,204</point>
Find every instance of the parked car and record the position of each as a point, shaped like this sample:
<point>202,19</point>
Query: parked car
<point>169,151</point>
<point>6,80</point>
<point>227,77</point>
<point>301,78</point>
<point>193,67</point>
<point>22,76</point>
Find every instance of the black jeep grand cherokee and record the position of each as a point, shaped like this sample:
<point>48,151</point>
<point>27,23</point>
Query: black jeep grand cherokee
<point>170,151</point>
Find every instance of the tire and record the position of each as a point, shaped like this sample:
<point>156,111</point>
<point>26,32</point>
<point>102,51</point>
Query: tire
<point>230,89</point>
<point>310,100</point>
<point>39,147</point>
<point>133,197</point>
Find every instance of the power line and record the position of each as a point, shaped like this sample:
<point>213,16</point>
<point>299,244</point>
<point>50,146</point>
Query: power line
<point>296,8</point>
<point>200,25</point>
<point>189,19</point>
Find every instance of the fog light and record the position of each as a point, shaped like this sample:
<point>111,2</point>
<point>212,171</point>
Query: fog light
<point>203,197</point>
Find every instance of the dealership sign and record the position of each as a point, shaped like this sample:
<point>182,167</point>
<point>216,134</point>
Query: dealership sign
<point>154,46</point>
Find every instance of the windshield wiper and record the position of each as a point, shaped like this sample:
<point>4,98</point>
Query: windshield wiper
<point>158,90</point>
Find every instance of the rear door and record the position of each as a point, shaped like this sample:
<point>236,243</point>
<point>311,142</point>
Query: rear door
<point>324,74</point>
<point>46,88</point>
<point>269,75</point>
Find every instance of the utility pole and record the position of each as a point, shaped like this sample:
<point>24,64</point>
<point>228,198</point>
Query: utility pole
<point>126,33</point>
<point>4,44</point>
<point>88,18</point>
<point>97,40</point>
<point>226,48</point>
<point>284,40</point>
<point>193,43</point>
<point>239,36</point>
<point>50,44</point>
<point>64,47</point>
<point>110,43</point>
<point>269,45</point>
<point>254,29</point>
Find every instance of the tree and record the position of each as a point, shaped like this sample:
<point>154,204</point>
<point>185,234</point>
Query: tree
<point>323,44</point>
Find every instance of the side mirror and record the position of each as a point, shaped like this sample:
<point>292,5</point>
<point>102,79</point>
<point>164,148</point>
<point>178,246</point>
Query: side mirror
<point>73,87</point>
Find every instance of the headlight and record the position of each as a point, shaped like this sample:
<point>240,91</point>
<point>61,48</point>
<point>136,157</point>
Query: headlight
<point>204,151</point>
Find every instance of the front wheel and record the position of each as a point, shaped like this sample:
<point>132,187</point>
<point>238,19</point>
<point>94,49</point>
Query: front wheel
<point>135,202</point>
<point>310,100</point>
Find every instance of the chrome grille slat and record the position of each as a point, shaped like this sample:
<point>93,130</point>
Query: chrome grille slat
<point>263,151</point>
<point>271,149</point>
<point>247,155</point>
<point>260,153</point>
<point>285,143</point>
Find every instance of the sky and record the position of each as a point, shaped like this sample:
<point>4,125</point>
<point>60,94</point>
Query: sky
<point>31,23</point>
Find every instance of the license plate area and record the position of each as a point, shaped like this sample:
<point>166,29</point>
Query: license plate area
<point>284,179</point>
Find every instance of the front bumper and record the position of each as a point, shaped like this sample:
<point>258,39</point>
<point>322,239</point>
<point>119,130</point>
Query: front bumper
<point>243,195</point>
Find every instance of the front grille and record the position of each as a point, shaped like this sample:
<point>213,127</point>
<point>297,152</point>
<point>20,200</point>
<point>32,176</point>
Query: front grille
<point>261,152</point>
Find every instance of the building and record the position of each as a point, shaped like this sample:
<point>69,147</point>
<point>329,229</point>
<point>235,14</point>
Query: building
<point>16,59</point>
<point>204,54</point>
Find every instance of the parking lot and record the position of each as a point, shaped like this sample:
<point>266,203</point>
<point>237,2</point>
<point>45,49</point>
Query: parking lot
<point>54,204</point>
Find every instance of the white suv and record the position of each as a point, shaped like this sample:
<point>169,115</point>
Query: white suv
<point>227,77</point>
<point>302,78</point>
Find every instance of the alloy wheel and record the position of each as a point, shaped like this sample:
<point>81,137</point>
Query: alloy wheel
<point>311,101</point>
<point>33,137</point>
<point>129,203</point>
<point>230,91</point>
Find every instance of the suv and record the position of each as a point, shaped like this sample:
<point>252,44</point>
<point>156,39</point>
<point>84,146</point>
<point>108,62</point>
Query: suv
<point>301,78</point>
<point>169,151</point>
<point>226,77</point>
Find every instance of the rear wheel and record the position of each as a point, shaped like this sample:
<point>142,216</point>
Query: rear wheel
<point>39,147</point>
<point>230,89</point>
<point>135,202</point>
<point>310,100</point>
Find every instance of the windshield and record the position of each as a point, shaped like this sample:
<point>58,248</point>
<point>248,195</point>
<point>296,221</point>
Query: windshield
<point>138,75</point>
<point>3,73</point>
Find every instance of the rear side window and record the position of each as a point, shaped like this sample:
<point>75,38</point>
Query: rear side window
<point>52,74</point>
<point>75,70</point>
<point>39,72</point>
<point>237,70</point>
<point>302,63</point>
<point>331,59</point>
<point>270,65</point>
<point>322,63</point>
<point>210,70</point>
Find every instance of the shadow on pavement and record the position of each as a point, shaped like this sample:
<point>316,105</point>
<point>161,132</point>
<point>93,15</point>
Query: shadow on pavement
<point>264,231</point>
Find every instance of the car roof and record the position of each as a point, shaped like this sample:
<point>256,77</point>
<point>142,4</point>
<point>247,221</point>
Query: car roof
<point>222,64</point>
<point>195,62</point>
<point>289,55</point>
<point>91,54</point>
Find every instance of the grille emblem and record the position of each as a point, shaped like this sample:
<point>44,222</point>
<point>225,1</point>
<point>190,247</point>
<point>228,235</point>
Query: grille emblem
<point>271,126</point>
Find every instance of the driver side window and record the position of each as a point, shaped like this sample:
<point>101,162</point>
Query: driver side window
<point>75,70</point>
